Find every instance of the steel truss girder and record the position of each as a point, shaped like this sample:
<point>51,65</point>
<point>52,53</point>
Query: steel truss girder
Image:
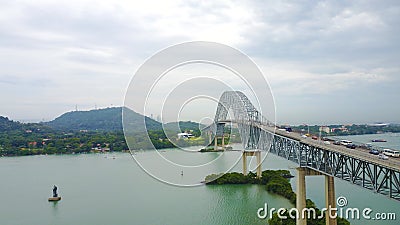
<point>246,116</point>
<point>378,178</point>
<point>369,175</point>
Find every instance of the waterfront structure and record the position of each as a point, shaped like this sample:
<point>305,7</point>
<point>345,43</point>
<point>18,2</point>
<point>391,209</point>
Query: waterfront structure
<point>313,157</point>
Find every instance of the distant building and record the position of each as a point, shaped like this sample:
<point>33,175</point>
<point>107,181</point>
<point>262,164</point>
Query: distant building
<point>33,143</point>
<point>100,149</point>
<point>378,124</point>
<point>342,129</point>
<point>325,129</point>
<point>185,135</point>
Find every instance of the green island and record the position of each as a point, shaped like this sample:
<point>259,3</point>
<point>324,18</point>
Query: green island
<point>276,182</point>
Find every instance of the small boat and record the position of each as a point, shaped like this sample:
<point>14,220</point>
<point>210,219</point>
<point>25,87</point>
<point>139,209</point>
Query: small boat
<point>54,199</point>
<point>378,140</point>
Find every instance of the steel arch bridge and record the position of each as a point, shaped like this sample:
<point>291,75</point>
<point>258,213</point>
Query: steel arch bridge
<point>248,119</point>
<point>257,133</point>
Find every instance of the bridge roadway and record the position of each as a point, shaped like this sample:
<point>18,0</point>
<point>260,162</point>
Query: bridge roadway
<point>313,156</point>
<point>358,153</point>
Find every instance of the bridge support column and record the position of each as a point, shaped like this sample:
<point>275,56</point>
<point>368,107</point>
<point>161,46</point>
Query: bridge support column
<point>330,201</point>
<point>301,195</point>
<point>216,142</point>
<point>244,160</point>
<point>257,154</point>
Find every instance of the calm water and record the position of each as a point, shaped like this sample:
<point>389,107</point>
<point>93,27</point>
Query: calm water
<point>97,189</point>
<point>393,139</point>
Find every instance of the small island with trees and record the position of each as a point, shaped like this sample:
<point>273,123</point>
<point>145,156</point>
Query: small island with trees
<point>276,182</point>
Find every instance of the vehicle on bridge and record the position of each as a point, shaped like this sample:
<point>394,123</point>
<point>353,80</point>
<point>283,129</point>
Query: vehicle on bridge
<point>345,142</point>
<point>374,152</point>
<point>384,157</point>
<point>390,152</point>
<point>352,146</point>
<point>368,146</point>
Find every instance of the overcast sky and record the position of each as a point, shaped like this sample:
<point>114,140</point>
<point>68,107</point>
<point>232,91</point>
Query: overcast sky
<point>326,61</point>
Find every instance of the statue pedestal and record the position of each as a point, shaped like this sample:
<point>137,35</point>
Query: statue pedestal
<point>54,199</point>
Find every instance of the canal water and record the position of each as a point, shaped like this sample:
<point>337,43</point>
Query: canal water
<point>392,139</point>
<point>112,189</point>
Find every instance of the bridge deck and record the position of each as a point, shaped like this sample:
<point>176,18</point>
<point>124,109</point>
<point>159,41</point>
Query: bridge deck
<point>353,165</point>
<point>363,154</point>
<point>358,153</point>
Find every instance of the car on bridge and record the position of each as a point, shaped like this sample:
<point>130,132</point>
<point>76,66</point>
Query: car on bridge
<point>352,146</point>
<point>345,142</point>
<point>390,152</point>
<point>384,157</point>
<point>374,152</point>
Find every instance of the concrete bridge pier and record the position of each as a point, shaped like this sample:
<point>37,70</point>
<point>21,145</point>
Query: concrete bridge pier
<point>216,142</point>
<point>256,153</point>
<point>330,201</point>
<point>301,195</point>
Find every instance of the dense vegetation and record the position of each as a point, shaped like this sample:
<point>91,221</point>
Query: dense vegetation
<point>95,130</point>
<point>184,126</point>
<point>108,119</point>
<point>9,125</point>
<point>101,130</point>
<point>277,182</point>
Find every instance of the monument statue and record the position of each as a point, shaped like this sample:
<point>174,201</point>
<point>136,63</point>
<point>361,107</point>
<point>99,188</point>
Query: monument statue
<point>55,195</point>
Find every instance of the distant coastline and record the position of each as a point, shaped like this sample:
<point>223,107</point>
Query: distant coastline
<point>101,131</point>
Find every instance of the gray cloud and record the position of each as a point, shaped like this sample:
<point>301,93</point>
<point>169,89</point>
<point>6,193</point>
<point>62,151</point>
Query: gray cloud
<point>319,54</point>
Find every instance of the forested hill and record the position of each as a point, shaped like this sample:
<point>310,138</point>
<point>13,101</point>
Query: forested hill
<point>184,126</point>
<point>8,125</point>
<point>108,119</point>
<point>12,127</point>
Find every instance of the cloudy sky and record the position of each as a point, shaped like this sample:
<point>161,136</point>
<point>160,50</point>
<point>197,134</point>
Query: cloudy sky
<point>326,61</point>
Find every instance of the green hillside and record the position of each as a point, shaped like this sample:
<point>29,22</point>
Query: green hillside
<point>184,126</point>
<point>9,125</point>
<point>108,119</point>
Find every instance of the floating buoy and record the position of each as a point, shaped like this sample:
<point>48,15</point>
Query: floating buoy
<point>54,199</point>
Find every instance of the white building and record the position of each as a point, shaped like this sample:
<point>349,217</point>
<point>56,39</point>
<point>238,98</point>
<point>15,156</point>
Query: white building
<point>185,135</point>
<point>325,129</point>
